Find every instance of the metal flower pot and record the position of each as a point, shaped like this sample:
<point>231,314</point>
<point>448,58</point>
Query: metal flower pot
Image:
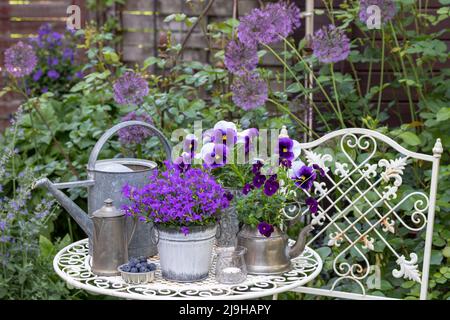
<point>185,258</point>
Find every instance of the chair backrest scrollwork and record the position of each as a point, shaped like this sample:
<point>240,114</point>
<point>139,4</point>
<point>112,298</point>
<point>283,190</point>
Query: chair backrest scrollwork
<point>368,216</point>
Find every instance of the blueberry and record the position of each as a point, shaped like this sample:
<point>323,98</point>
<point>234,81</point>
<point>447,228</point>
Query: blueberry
<point>134,270</point>
<point>144,264</point>
<point>138,265</point>
<point>126,268</point>
<point>143,269</point>
<point>151,266</point>
<point>142,259</point>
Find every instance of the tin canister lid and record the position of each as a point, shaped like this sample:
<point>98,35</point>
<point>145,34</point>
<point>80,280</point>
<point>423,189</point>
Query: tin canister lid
<point>108,210</point>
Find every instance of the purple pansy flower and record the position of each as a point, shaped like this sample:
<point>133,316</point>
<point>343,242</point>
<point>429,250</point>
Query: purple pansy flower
<point>20,59</point>
<point>135,134</point>
<point>304,177</point>
<point>265,229</point>
<point>246,137</point>
<point>190,144</point>
<point>130,88</point>
<point>387,9</point>
<point>271,186</point>
<point>330,44</point>
<point>249,91</point>
<point>286,163</point>
<point>256,167</point>
<point>214,155</point>
<point>259,180</point>
<point>285,148</point>
<point>183,162</point>
<point>312,204</point>
<point>239,58</point>
<point>319,170</point>
<point>228,195</point>
<point>247,188</point>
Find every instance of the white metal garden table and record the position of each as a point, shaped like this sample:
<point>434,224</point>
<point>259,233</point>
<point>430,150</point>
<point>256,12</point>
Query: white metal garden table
<point>73,265</point>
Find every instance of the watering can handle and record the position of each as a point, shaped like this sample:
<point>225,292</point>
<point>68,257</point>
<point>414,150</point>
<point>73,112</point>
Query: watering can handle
<point>108,134</point>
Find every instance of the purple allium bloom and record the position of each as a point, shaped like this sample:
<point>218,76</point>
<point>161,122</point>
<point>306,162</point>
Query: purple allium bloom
<point>130,88</point>
<point>256,167</point>
<point>319,170</point>
<point>20,59</point>
<point>330,44</point>
<point>53,74</point>
<point>285,148</point>
<point>268,24</point>
<point>37,75</point>
<point>184,230</point>
<point>265,229</point>
<point>239,58</point>
<point>249,91</point>
<point>387,9</point>
<point>259,180</point>
<point>214,155</point>
<point>304,177</point>
<point>271,186</point>
<point>135,134</point>
<point>312,204</point>
<point>247,188</point>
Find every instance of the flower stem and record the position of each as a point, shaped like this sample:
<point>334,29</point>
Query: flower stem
<point>341,120</point>
<point>380,93</point>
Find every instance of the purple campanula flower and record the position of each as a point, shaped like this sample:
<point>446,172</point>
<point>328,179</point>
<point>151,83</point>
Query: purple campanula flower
<point>53,74</point>
<point>304,177</point>
<point>247,188</point>
<point>130,88</point>
<point>239,58</point>
<point>259,180</point>
<point>135,134</point>
<point>249,91</point>
<point>20,59</point>
<point>2,225</point>
<point>44,30</point>
<point>330,44</point>
<point>271,186</point>
<point>387,9</point>
<point>312,204</point>
<point>68,54</point>
<point>184,230</point>
<point>265,229</point>
<point>214,155</point>
<point>79,74</point>
<point>37,75</point>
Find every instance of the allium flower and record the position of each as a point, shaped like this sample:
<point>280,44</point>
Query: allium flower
<point>135,134</point>
<point>271,187</point>
<point>387,9</point>
<point>239,58</point>
<point>130,88</point>
<point>268,24</point>
<point>312,204</point>
<point>247,188</point>
<point>20,59</point>
<point>259,180</point>
<point>249,91</point>
<point>214,155</point>
<point>304,177</point>
<point>330,44</point>
<point>265,229</point>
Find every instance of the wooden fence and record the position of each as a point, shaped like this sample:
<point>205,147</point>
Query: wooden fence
<point>142,22</point>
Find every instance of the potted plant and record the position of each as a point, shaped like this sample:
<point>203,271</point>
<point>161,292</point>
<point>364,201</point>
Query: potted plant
<point>184,204</point>
<point>275,191</point>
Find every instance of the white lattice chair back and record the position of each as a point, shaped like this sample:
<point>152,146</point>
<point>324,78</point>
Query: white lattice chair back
<point>366,212</point>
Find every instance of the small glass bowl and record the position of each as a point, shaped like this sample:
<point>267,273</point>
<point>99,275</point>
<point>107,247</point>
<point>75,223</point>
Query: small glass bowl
<point>230,265</point>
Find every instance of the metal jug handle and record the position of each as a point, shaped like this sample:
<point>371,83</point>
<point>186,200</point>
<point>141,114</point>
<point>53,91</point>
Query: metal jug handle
<point>108,134</point>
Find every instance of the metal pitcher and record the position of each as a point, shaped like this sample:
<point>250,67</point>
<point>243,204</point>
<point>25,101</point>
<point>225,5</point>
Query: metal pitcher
<point>105,180</point>
<point>270,255</point>
<point>109,239</point>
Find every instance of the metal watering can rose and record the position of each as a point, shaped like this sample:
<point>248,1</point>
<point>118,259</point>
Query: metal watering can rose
<point>105,180</point>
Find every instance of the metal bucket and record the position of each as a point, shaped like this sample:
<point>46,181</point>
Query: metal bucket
<point>185,258</point>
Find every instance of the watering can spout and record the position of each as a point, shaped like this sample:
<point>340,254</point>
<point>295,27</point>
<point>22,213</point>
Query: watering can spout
<point>299,246</point>
<point>81,217</point>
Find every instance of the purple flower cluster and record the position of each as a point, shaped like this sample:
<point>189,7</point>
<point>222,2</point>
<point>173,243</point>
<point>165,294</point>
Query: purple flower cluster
<point>387,9</point>
<point>271,184</point>
<point>177,198</point>
<point>330,44</point>
<point>267,25</point>
<point>135,134</point>
<point>20,60</point>
<point>239,58</point>
<point>130,88</point>
<point>249,91</point>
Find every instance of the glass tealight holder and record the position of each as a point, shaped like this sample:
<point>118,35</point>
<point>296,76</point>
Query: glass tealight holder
<point>230,265</point>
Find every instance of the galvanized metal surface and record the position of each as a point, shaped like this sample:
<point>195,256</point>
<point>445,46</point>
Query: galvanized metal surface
<point>186,258</point>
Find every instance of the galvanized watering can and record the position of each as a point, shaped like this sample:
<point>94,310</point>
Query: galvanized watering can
<point>105,180</point>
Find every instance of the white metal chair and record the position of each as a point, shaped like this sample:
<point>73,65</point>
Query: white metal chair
<point>365,211</point>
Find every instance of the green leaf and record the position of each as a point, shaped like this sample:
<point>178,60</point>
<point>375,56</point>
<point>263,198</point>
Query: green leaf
<point>444,2</point>
<point>46,246</point>
<point>294,88</point>
<point>324,252</point>
<point>443,114</point>
<point>410,138</point>
<point>436,257</point>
